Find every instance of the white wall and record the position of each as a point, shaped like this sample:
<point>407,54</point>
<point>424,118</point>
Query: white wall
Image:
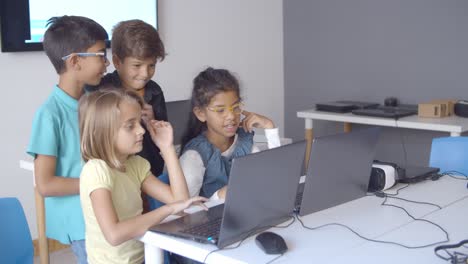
<point>244,36</point>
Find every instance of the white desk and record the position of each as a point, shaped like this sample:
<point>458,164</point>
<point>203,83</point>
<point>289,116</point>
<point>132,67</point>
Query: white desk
<point>365,215</point>
<point>454,125</point>
<point>447,218</point>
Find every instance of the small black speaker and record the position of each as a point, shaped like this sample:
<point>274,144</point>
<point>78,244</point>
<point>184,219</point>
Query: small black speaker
<point>461,108</point>
<point>391,101</point>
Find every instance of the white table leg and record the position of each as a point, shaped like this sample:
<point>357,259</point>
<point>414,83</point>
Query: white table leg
<point>153,254</point>
<point>309,123</point>
<point>454,134</point>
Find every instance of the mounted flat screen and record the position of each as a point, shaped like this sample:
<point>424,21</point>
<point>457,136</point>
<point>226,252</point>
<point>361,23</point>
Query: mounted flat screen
<point>23,22</point>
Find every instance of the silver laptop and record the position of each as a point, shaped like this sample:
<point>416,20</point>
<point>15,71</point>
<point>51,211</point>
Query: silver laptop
<point>261,194</point>
<point>339,170</point>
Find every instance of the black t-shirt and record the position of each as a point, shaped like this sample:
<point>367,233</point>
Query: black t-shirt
<point>155,97</point>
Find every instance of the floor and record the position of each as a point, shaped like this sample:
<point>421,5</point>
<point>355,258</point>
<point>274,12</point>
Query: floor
<point>60,256</point>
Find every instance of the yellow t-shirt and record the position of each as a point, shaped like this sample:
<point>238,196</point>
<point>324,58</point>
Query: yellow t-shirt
<point>125,188</point>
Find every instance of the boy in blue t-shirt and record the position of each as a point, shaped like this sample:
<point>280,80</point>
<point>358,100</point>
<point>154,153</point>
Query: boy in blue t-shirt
<point>76,47</point>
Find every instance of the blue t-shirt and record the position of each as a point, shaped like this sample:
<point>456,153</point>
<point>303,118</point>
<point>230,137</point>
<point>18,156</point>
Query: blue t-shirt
<point>55,132</point>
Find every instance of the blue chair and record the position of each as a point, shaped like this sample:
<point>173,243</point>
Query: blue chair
<point>450,154</point>
<point>15,239</point>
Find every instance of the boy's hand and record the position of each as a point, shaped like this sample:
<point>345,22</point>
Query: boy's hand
<point>178,207</point>
<point>252,120</point>
<point>161,133</point>
<point>147,114</point>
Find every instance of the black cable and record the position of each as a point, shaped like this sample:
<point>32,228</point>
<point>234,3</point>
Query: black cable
<point>397,190</point>
<point>456,257</point>
<point>420,219</point>
<point>216,250</point>
<point>383,241</point>
<point>253,231</point>
<point>417,219</point>
<point>411,201</point>
<point>402,143</point>
<point>271,261</point>
<point>393,196</point>
<point>455,174</point>
<point>434,177</point>
<point>370,239</point>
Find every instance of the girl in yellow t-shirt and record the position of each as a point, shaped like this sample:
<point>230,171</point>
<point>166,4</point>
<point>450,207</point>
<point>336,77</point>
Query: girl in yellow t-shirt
<point>113,177</point>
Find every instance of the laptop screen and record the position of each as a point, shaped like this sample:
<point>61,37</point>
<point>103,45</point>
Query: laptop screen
<point>261,194</point>
<point>262,191</point>
<point>339,169</point>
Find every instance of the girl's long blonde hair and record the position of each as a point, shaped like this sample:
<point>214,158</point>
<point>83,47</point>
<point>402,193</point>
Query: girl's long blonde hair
<point>99,116</point>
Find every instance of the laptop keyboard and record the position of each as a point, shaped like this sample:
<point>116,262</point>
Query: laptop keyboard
<point>208,229</point>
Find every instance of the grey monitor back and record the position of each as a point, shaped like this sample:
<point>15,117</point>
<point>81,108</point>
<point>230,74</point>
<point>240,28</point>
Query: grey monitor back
<point>178,113</point>
<point>339,169</point>
<point>262,191</point>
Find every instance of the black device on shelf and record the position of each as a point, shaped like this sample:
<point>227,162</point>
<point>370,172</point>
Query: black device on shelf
<point>344,106</point>
<point>461,108</point>
<point>387,112</point>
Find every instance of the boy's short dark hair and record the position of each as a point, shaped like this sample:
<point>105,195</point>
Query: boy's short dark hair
<point>69,34</point>
<point>136,38</point>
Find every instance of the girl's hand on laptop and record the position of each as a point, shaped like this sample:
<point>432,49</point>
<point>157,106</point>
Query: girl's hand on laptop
<point>178,207</point>
<point>161,133</point>
<point>252,120</point>
<point>147,114</point>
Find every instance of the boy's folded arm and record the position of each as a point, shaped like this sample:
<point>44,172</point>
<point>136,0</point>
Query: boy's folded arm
<point>47,183</point>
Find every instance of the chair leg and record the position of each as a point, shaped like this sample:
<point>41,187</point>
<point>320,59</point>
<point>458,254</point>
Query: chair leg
<point>42,238</point>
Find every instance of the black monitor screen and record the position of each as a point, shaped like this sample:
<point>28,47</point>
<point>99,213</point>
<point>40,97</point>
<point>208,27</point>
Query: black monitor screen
<point>23,22</point>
